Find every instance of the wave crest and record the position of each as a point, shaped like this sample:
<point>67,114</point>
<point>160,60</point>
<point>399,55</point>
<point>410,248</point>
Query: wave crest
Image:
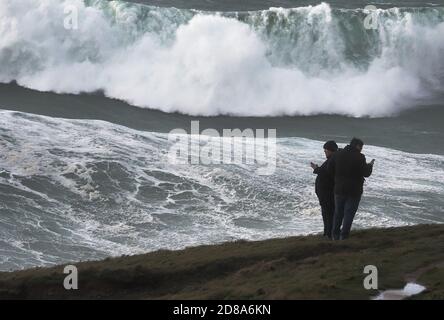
<point>301,61</point>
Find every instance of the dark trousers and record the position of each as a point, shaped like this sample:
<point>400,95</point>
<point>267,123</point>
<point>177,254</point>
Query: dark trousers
<point>345,210</point>
<point>328,211</point>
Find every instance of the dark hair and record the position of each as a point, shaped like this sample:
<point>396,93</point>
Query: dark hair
<point>331,145</point>
<point>355,143</point>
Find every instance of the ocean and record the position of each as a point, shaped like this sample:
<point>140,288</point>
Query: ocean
<point>90,89</point>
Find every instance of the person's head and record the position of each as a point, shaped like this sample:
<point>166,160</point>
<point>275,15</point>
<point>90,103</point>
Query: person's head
<point>330,147</point>
<point>356,143</point>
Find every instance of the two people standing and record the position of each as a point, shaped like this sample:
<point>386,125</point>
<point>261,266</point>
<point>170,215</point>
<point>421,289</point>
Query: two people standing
<point>339,186</point>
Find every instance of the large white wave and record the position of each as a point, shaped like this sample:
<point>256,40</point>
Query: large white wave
<point>300,61</point>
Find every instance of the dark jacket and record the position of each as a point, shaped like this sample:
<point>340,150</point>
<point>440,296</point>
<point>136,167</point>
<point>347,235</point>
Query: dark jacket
<point>324,184</point>
<point>349,169</point>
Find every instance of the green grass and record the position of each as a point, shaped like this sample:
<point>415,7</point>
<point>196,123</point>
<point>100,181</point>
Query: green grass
<point>291,268</point>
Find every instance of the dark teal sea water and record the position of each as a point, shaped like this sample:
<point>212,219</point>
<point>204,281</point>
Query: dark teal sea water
<point>246,5</point>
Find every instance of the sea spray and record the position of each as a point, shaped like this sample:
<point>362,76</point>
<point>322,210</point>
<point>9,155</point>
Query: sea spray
<point>300,61</point>
<point>84,189</point>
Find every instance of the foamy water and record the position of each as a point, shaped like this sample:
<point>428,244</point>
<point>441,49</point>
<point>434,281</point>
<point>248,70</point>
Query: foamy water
<point>300,61</point>
<point>81,189</point>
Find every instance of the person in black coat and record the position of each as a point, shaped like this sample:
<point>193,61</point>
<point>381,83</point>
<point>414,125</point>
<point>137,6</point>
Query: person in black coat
<point>349,168</point>
<point>324,187</point>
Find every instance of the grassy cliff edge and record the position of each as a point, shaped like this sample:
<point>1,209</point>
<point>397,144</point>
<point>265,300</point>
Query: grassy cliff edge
<point>306,267</point>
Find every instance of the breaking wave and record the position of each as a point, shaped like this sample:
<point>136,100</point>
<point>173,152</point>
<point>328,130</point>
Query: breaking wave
<point>300,61</point>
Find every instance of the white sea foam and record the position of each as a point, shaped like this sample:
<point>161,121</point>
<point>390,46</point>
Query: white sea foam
<point>313,60</point>
<point>83,189</point>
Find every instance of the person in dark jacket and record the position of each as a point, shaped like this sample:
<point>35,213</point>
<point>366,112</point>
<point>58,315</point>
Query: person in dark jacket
<point>324,186</point>
<point>349,169</point>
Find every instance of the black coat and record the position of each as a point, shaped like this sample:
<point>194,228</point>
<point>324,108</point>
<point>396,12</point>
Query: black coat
<point>324,184</point>
<point>349,169</point>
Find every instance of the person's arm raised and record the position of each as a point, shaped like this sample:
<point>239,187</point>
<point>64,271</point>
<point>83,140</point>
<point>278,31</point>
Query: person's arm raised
<point>367,167</point>
<point>315,167</point>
